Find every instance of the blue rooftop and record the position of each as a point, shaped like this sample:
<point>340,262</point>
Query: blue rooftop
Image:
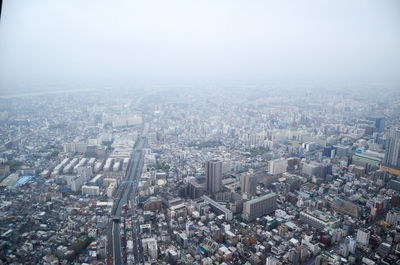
<point>24,179</point>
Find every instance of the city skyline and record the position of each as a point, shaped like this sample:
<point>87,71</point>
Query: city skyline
<point>185,132</point>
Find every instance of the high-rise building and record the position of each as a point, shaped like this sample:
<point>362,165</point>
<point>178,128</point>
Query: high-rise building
<point>392,218</point>
<point>195,190</point>
<point>363,236</point>
<point>344,250</point>
<point>260,206</point>
<point>342,151</point>
<point>351,243</point>
<point>294,256</point>
<point>213,176</point>
<point>249,184</point>
<point>392,152</point>
<point>380,124</point>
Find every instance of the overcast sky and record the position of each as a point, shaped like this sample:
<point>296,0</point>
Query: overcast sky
<point>46,43</point>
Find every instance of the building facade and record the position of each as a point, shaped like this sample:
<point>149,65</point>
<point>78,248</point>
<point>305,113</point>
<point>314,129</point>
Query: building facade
<point>248,184</point>
<point>260,206</point>
<point>213,176</point>
<point>392,151</point>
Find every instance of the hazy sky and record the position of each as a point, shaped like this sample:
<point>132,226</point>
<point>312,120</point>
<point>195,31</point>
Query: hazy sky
<point>45,43</point>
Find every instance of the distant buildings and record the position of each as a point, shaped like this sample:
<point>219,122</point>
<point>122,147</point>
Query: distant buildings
<point>260,206</point>
<point>213,176</point>
<point>332,195</point>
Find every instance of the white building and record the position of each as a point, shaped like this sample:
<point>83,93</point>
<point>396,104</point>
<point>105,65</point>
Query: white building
<point>277,166</point>
<point>363,237</point>
<point>111,189</point>
<point>85,171</point>
<point>272,261</point>
<point>313,246</point>
<point>75,147</point>
<point>116,166</point>
<point>90,190</point>
<point>392,218</point>
<point>76,183</point>
<point>150,245</point>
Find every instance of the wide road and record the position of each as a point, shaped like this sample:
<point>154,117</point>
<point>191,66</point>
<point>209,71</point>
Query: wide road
<point>137,249</point>
<point>130,184</point>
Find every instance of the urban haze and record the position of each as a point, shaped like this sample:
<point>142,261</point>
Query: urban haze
<point>200,132</point>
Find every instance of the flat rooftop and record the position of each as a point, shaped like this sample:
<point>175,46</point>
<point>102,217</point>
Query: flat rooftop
<point>264,197</point>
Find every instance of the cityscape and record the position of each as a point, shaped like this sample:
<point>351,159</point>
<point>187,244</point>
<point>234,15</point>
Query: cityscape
<point>208,132</point>
<point>200,178</point>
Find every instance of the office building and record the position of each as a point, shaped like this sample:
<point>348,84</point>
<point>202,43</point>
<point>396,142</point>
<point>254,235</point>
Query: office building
<point>393,184</point>
<point>150,246</point>
<point>195,190</point>
<point>213,176</point>
<point>312,169</point>
<point>351,243</point>
<point>218,208</point>
<point>260,206</point>
<point>363,236</point>
<point>294,256</point>
<point>344,250</point>
<point>248,184</point>
<point>318,170</point>
<point>342,151</point>
<point>384,249</point>
<point>277,166</point>
<point>392,152</point>
<point>368,158</point>
<point>380,124</point>
<point>319,220</point>
<point>392,218</point>
<point>346,207</point>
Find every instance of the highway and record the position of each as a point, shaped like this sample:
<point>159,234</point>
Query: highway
<point>130,188</point>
